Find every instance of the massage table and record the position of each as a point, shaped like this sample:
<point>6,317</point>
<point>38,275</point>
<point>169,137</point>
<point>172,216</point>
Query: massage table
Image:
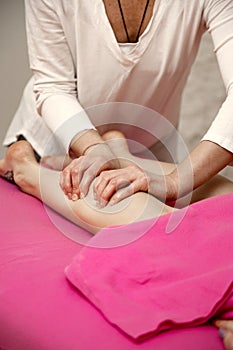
<point>40,309</point>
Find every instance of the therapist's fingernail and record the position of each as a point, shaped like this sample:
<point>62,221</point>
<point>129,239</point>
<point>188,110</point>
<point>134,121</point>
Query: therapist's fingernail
<point>82,195</point>
<point>222,332</point>
<point>98,204</point>
<point>69,195</point>
<point>101,204</point>
<point>74,197</point>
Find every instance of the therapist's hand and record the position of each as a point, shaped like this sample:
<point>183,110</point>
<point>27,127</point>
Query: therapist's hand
<point>77,176</point>
<point>113,186</point>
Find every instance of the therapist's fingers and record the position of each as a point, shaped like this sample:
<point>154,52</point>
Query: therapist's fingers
<point>93,164</point>
<point>79,174</point>
<point>87,175</point>
<point>66,182</point>
<point>74,175</point>
<point>69,179</point>
<point>76,178</point>
<point>108,183</point>
<point>130,179</point>
<point>114,185</point>
<point>101,182</point>
<point>125,192</point>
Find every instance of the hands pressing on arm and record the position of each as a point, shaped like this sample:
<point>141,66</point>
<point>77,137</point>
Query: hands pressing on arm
<point>77,176</point>
<point>117,179</point>
<point>92,155</point>
<point>113,186</point>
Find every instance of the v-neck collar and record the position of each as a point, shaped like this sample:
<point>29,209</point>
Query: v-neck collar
<point>131,58</point>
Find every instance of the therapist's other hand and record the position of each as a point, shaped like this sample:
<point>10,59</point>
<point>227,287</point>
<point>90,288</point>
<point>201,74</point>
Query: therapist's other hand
<point>113,186</point>
<point>77,176</point>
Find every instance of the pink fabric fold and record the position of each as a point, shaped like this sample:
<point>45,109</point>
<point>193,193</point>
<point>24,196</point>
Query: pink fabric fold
<point>162,281</point>
<point>39,309</point>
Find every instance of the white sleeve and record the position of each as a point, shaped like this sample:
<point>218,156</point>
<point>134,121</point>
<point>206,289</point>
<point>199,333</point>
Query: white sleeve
<point>218,16</point>
<point>54,72</point>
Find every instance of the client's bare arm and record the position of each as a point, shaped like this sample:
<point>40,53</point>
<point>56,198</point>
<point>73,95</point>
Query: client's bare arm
<point>44,185</point>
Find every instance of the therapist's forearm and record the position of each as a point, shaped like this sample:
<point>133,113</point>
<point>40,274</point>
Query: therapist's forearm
<point>205,161</point>
<point>83,141</point>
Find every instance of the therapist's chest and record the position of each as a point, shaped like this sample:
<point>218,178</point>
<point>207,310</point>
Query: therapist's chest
<point>128,19</point>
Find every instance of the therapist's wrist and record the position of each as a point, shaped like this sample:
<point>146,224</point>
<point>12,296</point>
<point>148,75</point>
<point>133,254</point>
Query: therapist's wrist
<point>172,187</point>
<point>92,146</point>
<point>83,142</point>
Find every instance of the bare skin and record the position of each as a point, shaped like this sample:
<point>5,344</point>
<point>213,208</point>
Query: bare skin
<point>135,172</point>
<point>132,11</point>
<point>58,162</point>
<point>44,184</point>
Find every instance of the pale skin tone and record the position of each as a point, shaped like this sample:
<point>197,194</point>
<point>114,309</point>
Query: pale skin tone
<point>44,184</point>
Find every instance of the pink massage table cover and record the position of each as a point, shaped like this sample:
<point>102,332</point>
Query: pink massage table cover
<point>41,310</point>
<point>162,280</point>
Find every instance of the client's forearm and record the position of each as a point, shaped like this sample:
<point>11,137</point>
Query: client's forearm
<point>85,212</point>
<point>44,184</point>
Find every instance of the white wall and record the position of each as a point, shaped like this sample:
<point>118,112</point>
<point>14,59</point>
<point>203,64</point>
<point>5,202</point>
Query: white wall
<point>14,70</point>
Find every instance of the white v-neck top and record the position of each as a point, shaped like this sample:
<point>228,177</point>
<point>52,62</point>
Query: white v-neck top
<point>77,63</point>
